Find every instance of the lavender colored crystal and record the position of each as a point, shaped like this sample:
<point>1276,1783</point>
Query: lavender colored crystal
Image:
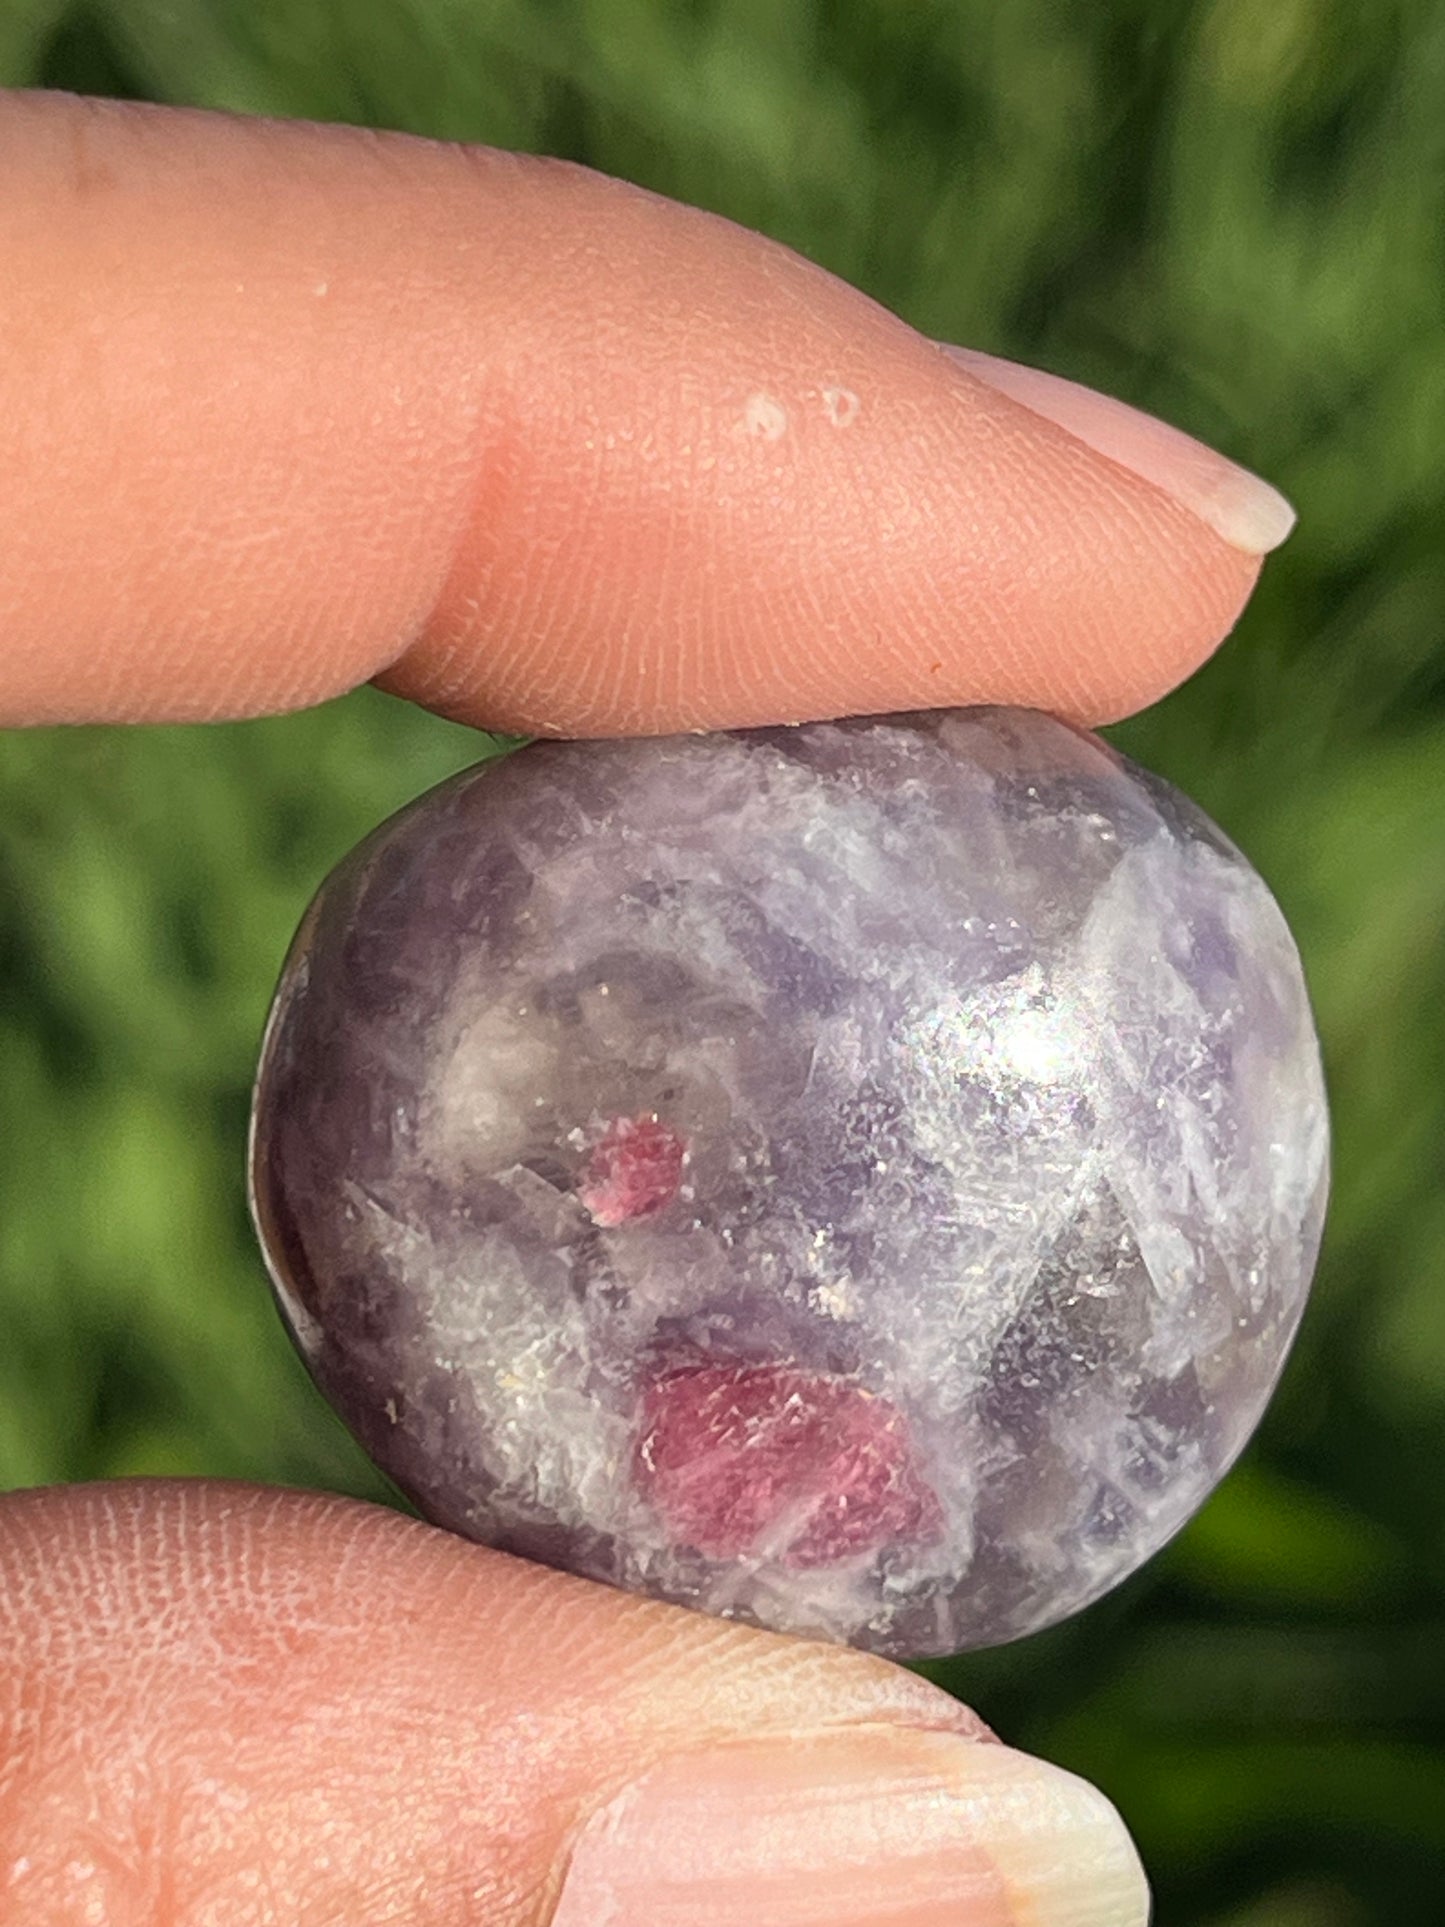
<point>861,1178</point>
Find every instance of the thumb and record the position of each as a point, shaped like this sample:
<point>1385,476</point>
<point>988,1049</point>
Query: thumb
<point>220,1704</point>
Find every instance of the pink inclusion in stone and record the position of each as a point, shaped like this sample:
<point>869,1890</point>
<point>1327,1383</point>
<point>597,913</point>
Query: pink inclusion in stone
<point>771,1461</point>
<point>634,1170</point>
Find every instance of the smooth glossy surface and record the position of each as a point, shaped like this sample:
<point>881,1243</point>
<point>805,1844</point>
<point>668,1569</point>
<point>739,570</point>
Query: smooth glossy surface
<point>861,1178</point>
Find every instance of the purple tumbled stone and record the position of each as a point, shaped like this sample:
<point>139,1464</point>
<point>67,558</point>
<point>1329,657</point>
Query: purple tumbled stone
<point>861,1178</point>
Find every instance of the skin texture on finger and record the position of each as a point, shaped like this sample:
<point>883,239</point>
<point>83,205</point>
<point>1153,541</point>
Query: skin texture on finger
<point>286,407</point>
<point>225,1704</point>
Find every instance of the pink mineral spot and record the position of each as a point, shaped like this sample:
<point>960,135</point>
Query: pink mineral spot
<point>772,1461</point>
<point>634,1170</point>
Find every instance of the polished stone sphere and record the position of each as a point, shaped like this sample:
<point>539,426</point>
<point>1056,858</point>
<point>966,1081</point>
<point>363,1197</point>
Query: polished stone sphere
<point>861,1178</point>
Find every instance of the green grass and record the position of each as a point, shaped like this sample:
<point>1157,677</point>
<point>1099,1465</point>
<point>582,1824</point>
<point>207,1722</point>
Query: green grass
<point>1233,214</point>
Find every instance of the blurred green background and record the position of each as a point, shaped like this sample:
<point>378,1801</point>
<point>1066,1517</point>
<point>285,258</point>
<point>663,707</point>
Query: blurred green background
<point>1232,213</point>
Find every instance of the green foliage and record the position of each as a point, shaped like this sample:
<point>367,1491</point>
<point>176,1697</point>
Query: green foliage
<point>1231,213</point>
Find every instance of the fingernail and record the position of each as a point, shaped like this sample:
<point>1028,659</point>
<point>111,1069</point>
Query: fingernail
<point>870,1826</point>
<point>1241,507</point>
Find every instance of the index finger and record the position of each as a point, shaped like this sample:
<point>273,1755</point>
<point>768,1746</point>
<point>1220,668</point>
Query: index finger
<point>286,407</point>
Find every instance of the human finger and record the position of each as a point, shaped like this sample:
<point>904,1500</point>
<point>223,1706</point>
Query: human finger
<point>284,407</point>
<point>228,1705</point>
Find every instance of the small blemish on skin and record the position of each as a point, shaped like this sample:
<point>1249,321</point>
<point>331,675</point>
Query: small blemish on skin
<point>841,406</point>
<point>764,418</point>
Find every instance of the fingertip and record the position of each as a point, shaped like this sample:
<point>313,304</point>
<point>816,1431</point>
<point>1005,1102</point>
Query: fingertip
<point>848,529</point>
<point>872,1826</point>
<point>211,1690</point>
<point>1242,508</point>
<point>296,406</point>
